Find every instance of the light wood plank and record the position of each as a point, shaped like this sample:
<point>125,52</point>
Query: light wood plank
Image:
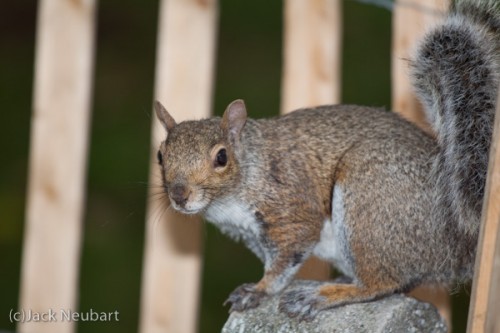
<point>312,53</point>
<point>184,84</point>
<point>409,25</point>
<point>62,93</point>
<point>485,300</point>
<point>311,74</point>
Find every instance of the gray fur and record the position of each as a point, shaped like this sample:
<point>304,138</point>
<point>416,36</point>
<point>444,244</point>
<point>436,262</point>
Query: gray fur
<point>456,73</point>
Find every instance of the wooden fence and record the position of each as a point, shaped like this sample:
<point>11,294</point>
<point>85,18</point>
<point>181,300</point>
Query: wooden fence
<point>184,82</point>
<point>59,135</point>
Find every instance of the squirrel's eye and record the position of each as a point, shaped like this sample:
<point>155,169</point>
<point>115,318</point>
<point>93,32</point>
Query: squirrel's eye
<point>159,157</point>
<point>221,158</point>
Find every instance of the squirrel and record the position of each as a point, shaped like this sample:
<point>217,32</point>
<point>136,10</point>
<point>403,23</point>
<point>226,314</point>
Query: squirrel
<point>390,206</point>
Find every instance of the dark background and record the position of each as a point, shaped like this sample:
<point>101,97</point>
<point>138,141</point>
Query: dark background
<point>248,66</point>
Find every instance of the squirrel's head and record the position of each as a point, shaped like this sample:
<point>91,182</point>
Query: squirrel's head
<point>197,159</point>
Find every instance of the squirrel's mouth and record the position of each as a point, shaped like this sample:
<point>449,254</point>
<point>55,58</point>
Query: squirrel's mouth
<point>192,204</point>
<point>187,211</point>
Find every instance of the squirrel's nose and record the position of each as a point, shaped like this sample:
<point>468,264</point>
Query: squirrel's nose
<point>180,194</point>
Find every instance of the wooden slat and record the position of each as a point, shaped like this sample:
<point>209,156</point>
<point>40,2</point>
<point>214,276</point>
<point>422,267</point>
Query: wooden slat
<point>62,89</point>
<point>409,26</point>
<point>184,84</point>
<point>311,75</point>
<point>485,300</point>
<point>312,53</point>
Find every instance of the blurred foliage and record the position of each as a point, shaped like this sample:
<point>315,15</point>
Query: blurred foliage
<point>248,66</point>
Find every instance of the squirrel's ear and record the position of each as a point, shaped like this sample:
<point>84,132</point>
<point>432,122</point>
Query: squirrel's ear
<point>234,119</point>
<point>164,117</point>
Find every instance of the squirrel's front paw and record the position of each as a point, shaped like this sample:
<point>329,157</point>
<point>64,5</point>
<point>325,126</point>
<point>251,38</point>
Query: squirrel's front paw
<point>302,302</point>
<point>245,297</point>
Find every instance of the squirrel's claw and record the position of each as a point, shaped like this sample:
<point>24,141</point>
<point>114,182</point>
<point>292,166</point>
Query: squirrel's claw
<point>244,297</point>
<point>303,303</point>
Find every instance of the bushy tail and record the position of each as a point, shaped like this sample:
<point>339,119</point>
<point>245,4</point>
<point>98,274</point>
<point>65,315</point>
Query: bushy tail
<point>456,73</point>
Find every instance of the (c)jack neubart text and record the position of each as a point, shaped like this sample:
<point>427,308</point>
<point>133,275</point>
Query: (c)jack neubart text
<point>63,315</point>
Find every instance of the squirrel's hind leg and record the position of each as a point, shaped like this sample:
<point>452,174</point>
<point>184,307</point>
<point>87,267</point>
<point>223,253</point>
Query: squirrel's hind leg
<point>305,302</point>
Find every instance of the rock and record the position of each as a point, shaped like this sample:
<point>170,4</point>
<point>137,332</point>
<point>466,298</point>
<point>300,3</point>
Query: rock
<point>396,313</point>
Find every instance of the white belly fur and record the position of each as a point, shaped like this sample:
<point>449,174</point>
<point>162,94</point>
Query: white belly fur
<point>237,220</point>
<point>333,245</point>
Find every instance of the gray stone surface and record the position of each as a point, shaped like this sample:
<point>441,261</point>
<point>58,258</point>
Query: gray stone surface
<point>393,314</point>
